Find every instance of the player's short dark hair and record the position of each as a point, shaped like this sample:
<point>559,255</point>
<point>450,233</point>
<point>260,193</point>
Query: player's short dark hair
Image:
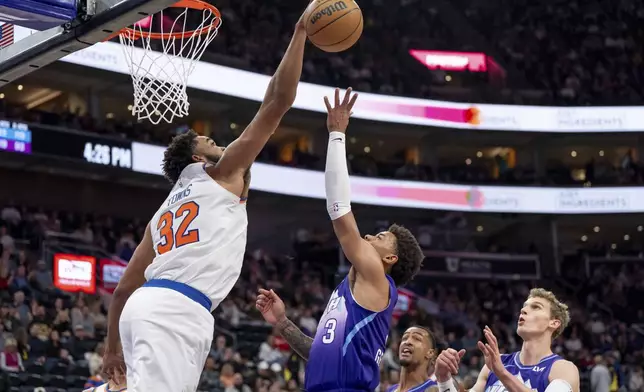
<point>410,256</point>
<point>178,155</point>
<point>430,335</point>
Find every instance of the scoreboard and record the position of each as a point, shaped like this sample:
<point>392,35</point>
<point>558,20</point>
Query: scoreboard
<point>15,137</point>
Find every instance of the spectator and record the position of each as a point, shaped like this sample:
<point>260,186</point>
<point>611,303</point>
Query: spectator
<point>21,308</point>
<point>308,323</point>
<point>6,240</point>
<point>217,352</point>
<point>600,378</point>
<point>267,351</point>
<point>227,376</point>
<point>238,384</point>
<point>95,359</point>
<point>42,277</point>
<point>636,382</point>
<point>10,360</point>
<point>18,281</point>
<point>209,376</point>
<point>81,317</point>
<point>54,346</point>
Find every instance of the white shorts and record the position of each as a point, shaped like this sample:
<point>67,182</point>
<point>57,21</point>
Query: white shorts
<point>166,339</point>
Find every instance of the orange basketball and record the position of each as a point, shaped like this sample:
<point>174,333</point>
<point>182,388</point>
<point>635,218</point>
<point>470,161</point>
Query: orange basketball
<point>334,25</point>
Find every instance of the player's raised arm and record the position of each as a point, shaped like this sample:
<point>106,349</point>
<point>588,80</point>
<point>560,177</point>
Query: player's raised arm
<point>132,279</point>
<point>362,256</point>
<point>279,97</point>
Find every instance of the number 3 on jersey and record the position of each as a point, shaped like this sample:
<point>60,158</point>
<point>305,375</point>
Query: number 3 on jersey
<point>329,328</point>
<point>170,238</point>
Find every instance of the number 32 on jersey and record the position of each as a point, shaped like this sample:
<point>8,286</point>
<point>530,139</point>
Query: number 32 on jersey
<point>183,235</point>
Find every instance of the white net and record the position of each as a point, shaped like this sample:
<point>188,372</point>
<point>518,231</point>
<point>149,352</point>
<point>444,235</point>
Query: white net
<point>161,64</point>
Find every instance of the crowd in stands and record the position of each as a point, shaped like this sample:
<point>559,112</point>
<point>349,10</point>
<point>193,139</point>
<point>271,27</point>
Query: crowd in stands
<point>54,339</point>
<point>572,53</point>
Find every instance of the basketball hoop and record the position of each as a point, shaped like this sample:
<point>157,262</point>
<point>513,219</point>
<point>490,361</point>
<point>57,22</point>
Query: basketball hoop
<point>160,76</point>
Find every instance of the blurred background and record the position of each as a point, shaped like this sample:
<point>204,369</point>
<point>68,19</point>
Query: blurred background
<point>498,210</point>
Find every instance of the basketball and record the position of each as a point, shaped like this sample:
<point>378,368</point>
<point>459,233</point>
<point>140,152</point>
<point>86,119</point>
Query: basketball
<point>334,25</point>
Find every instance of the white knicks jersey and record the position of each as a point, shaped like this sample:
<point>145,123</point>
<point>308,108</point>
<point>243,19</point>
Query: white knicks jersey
<point>199,235</point>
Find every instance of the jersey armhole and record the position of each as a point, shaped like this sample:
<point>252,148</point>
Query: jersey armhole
<point>390,305</point>
<point>233,197</point>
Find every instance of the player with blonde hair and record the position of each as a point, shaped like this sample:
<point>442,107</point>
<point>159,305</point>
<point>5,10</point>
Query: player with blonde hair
<point>533,369</point>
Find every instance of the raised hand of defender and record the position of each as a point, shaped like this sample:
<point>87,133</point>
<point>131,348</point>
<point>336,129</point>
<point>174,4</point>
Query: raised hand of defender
<point>491,352</point>
<point>271,306</point>
<point>337,119</point>
<point>447,364</point>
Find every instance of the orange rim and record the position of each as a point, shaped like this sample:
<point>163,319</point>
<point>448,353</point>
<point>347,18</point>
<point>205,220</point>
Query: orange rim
<point>191,4</point>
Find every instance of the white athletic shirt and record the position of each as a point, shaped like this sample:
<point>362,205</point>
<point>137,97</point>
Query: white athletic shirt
<point>205,246</point>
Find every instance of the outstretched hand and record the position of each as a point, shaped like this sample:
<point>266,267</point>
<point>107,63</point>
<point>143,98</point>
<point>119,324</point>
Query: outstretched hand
<point>491,352</point>
<point>447,364</point>
<point>338,115</point>
<point>271,306</point>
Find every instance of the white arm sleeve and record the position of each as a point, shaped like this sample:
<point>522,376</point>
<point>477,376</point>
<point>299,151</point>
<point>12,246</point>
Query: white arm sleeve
<point>336,177</point>
<point>559,385</point>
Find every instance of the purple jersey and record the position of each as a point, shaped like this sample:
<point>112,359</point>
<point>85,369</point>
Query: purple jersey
<point>535,377</point>
<point>418,388</point>
<point>349,343</point>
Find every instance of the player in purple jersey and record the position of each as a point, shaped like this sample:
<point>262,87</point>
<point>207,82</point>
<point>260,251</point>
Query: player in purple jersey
<point>533,369</point>
<point>417,355</point>
<point>352,333</point>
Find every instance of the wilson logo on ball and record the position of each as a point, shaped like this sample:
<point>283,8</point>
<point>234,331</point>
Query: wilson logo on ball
<point>328,11</point>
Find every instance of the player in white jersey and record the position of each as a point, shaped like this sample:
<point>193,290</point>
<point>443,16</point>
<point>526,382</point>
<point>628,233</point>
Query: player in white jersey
<point>192,250</point>
<point>533,369</point>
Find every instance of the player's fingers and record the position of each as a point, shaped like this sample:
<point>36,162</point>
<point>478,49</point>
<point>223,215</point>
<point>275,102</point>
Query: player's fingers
<point>482,347</point>
<point>264,291</point>
<point>327,104</point>
<point>337,97</point>
<point>461,353</point>
<point>353,101</point>
<point>445,362</point>
<point>273,296</point>
<point>347,96</point>
<point>491,339</point>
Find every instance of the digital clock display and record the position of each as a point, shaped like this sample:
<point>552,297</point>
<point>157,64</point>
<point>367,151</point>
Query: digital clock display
<point>15,137</point>
<point>82,147</point>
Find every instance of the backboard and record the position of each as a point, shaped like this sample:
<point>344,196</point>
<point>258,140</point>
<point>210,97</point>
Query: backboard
<point>57,28</point>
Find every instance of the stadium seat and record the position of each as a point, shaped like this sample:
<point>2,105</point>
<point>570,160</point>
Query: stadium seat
<point>79,371</point>
<point>14,389</point>
<point>15,379</point>
<point>74,390</point>
<point>35,368</point>
<point>59,369</point>
<point>75,381</point>
<point>35,379</point>
<point>28,388</point>
<point>58,381</point>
